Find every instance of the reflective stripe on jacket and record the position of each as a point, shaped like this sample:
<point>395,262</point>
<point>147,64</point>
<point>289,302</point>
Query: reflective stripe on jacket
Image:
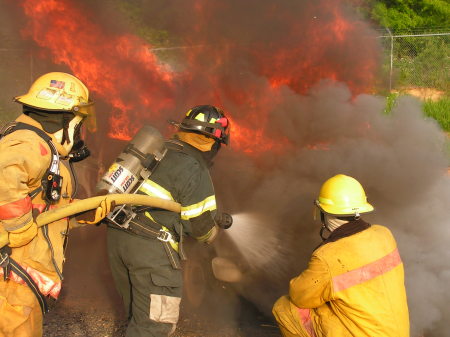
<point>184,177</point>
<point>24,159</point>
<point>360,278</point>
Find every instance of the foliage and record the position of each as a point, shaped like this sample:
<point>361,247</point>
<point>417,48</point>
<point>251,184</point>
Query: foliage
<point>401,15</point>
<point>133,14</point>
<point>136,13</point>
<point>391,100</point>
<point>418,61</point>
<point>440,111</point>
<point>423,62</point>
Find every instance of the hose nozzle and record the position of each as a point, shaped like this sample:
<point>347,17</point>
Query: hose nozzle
<point>224,220</point>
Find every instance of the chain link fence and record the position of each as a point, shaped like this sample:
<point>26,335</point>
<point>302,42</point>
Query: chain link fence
<point>417,61</point>
<point>414,61</point>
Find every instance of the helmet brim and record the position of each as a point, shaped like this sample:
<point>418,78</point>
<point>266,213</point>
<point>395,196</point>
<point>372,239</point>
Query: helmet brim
<point>348,210</point>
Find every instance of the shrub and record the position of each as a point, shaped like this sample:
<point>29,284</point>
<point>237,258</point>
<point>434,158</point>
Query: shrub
<point>440,111</point>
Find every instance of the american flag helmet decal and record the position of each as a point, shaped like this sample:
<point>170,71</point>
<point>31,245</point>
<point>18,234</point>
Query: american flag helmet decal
<point>57,84</point>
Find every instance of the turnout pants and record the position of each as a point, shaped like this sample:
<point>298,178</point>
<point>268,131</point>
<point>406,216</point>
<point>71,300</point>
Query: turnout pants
<point>147,283</point>
<point>297,322</point>
<point>20,313</point>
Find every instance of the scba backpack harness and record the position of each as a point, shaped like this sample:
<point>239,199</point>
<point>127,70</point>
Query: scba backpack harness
<point>51,185</point>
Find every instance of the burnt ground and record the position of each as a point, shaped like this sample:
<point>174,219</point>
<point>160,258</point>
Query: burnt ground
<point>230,316</point>
<point>96,322</point>
<point>89,305</point>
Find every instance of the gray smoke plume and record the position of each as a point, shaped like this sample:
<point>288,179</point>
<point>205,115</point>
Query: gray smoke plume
<point>325,128</point>
<point>400,161</point>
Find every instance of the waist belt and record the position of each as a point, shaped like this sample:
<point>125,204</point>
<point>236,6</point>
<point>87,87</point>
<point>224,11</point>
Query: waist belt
<point>8,265</point>
<point>163,235</point>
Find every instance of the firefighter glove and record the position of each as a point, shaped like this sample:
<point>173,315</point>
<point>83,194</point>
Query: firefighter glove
<point>106,206</point>
<point>23,235</point>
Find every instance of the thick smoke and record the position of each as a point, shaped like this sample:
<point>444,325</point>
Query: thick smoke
<point>267,64</point>
<point>399,160</point>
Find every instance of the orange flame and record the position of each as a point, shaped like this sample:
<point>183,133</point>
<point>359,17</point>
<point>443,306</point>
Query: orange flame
<point>103,62</point>
<point>123,70</point>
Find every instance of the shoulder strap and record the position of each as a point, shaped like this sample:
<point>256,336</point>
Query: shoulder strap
<point>47,184</point>
<point>22,126</point>
<point>54,163</point>
<point>15,126</point>
<point>179,146</point>
<point>174,145</point>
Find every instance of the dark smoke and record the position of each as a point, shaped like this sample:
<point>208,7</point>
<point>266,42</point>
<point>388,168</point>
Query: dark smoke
<point>236,49</point>
<point>399,160</point>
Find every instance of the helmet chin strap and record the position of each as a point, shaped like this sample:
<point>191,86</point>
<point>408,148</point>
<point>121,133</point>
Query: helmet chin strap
<point>66,135</point>
<point>210,155</point>
<point>329,223</point>
<point>322,230</point>
<point>324,227</point>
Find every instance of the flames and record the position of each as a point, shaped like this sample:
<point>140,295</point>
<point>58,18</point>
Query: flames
<point>247,78</point>
<point>109,65</point>
<point>317,47</point>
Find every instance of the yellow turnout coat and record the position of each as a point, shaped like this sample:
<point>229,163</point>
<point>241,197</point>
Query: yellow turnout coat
<point>353,286</point>
<point>24,159</point>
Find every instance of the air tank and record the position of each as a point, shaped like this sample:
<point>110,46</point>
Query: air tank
<point>135,163</point>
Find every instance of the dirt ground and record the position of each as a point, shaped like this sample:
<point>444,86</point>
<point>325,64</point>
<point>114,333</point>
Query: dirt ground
<point>235,318</point>
<point>424,93</point>
<point>68,322</point>
<point>89,305</point>
<point>96,324</point>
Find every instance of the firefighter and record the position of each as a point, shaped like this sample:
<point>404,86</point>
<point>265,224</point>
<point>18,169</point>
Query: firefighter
<point>35,177</point>
<point>145,259</point>
<point>354,283</point>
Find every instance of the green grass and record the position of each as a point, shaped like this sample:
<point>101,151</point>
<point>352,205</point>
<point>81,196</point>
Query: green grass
<point>391,99</point>
<point>440,111</point>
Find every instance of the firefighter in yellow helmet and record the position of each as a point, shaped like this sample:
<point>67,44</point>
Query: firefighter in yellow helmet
<point>33,179</point>
<point>354,283</point>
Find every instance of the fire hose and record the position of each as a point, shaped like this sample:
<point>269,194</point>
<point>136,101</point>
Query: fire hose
<point>84,205</point>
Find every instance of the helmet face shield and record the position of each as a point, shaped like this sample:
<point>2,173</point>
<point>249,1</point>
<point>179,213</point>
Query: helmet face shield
<point>87,110</point>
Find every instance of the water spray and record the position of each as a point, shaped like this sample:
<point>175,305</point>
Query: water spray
<point>256,247</point>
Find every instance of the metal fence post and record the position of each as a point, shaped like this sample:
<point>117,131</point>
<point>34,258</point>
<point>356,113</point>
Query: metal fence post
<point>421,61</point>
<point>391,58</point>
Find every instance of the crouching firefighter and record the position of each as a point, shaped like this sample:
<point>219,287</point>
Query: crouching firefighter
<point>145,249</point>
<point>354,283</point>
<point>36,152</point>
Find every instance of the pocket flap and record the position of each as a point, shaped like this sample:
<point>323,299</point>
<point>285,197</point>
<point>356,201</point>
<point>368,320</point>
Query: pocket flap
<point>167,278</point>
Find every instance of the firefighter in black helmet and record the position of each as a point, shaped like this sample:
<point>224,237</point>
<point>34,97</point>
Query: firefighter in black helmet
<point>145,262</point>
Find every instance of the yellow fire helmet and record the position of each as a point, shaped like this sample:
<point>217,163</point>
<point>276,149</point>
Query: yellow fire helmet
<point>342,195</point>
<point>57,91</point>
